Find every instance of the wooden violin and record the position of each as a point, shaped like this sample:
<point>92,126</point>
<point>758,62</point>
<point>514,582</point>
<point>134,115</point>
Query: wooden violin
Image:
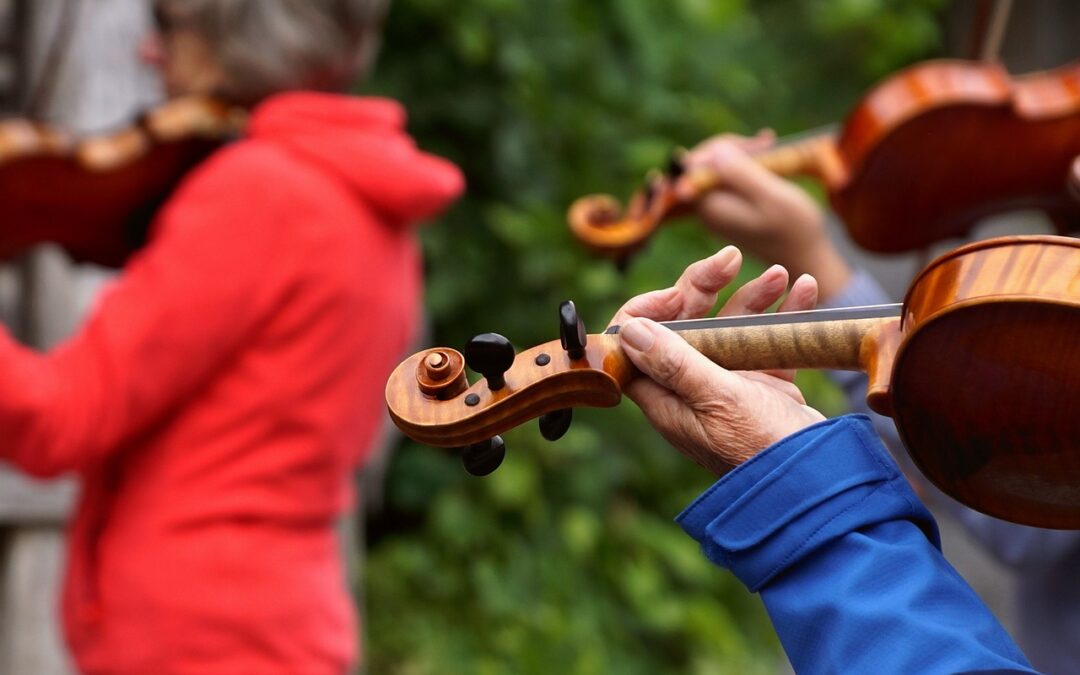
<point>979,368</point>
<point>924,156</point>
<point>95,196</point>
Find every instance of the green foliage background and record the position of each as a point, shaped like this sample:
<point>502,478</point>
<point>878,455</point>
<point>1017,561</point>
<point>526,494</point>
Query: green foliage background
<point>567,558</point>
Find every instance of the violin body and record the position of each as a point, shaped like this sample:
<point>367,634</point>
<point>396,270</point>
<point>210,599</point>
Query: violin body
<point>922,158</point>
<point>981,373</point>
<point>985,384</point>
<point>942,145</point>
<point>95,196</point>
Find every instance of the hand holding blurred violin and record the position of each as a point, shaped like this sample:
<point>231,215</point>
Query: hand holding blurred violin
<point>923,157</point>
<point>761,213</point>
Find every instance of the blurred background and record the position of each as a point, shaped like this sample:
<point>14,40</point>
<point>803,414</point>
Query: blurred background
<point>566,557</point>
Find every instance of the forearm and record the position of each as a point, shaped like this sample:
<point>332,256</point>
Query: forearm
<point>825,527</point>
<point>45,431</point>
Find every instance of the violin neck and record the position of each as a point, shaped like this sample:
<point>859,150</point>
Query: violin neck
<point>827,339</point>
<point>812,156</point>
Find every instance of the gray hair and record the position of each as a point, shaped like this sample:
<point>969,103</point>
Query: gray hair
<point>267,46</point>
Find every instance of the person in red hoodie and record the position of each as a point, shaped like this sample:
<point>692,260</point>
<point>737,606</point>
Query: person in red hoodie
<point>225,387</point>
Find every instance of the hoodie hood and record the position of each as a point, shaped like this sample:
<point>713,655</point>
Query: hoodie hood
<point>363,142</point>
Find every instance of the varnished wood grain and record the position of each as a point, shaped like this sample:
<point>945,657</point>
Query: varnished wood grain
<point>986,385</point>
<point>89,195</point>
<point>531,390</point>
<point>933,150</point>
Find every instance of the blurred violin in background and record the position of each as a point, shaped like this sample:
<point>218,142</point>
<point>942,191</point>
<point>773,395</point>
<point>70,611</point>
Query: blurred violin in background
<point>95,196</point>
<point>923,157</point>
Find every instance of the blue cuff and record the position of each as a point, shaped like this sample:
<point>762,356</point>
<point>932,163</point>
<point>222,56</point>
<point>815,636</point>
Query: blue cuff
<point>797,495</point>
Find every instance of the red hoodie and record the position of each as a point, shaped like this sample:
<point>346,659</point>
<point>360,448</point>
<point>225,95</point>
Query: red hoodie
<point>223,391</point>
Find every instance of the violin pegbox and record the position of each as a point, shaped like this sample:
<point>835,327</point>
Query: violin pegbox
<point>573,338</point>
<point>430,399</point>
<point>491,355</point>
<point>440,374</point>
<point>572,334</point>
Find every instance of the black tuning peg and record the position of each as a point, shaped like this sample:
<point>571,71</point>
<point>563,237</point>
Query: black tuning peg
<point>676,165</point>
<point>571,330</point>
<point>554,424</point>
<point>480,459</point>
<point>648,193</point>
<point>491,355</point>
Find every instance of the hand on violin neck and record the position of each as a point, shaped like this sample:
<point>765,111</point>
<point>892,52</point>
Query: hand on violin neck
<point>761,213</point>
<point>717,418</point>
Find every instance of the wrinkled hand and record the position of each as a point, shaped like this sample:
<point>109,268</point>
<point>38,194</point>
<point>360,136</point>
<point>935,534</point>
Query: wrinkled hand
<point>716,417</point>
<point>763,214</point>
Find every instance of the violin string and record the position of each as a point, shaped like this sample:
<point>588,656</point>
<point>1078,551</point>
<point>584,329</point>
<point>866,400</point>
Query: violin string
<point>777,318</point>
<point>815,132</point>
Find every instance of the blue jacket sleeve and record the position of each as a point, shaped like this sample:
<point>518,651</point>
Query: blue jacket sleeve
<point>846,559</point>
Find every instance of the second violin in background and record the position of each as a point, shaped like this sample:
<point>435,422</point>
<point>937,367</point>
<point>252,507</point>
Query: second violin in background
<point>922,158</point>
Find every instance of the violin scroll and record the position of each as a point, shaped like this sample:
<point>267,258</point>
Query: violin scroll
<point>441,373</point>
<point>430,399</point>
<point>600,222</point>
<point>597,210</point>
